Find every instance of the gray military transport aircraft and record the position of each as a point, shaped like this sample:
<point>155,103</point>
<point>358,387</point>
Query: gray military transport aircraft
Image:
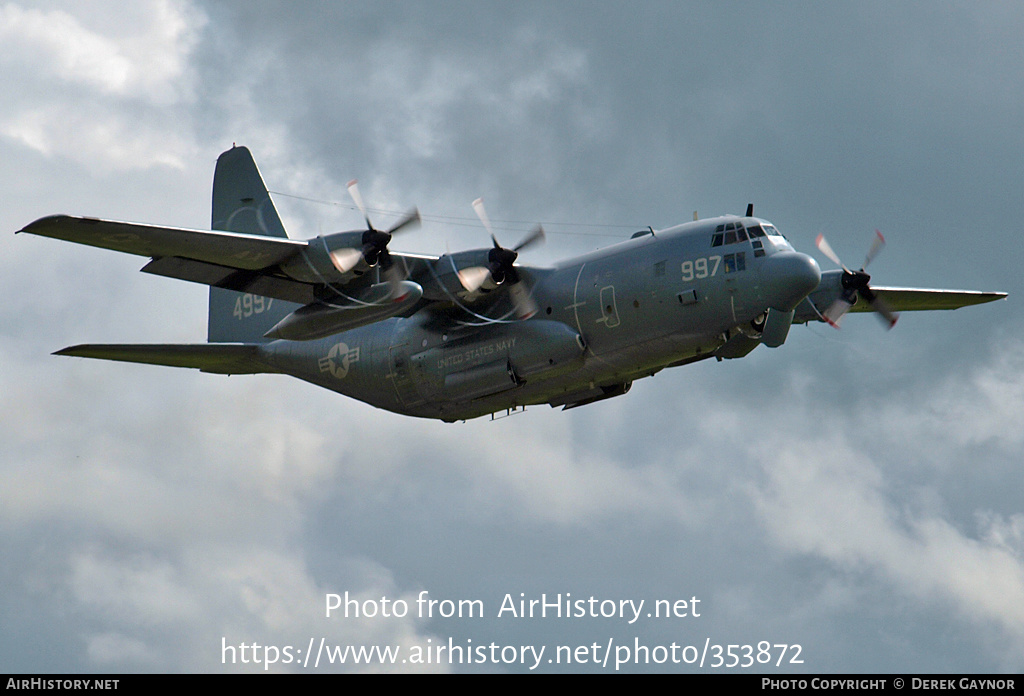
<point>473,333</point>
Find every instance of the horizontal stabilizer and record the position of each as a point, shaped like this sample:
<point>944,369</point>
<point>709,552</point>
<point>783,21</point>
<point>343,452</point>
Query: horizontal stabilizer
<point>220,358</point>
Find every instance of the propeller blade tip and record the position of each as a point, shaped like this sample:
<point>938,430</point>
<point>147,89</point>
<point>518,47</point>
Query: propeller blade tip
<point>473,278</point>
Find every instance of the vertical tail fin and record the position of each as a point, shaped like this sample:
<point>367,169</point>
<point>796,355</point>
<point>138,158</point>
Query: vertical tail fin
<point>241,203</point>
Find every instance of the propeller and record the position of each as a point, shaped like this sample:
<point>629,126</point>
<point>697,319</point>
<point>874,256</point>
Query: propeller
<point>856,283</point>
<point>500,266</point>
<point>375,245</point>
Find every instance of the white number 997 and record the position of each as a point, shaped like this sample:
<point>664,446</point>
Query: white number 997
<point>700,267</point>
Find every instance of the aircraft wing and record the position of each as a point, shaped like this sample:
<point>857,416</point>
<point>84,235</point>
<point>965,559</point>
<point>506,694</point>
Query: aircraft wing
<point>894,299</point>
<point>915,299</point>
<point>233,260</point>
<point>230,249</point>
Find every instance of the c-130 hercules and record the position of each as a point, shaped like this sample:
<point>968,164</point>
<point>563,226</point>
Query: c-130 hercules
<point>474,333</point>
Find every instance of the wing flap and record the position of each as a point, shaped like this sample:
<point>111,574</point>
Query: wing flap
<point>220,358</point>
<point>255,282</point>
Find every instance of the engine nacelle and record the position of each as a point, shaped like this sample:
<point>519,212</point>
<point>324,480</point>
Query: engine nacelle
<point>446,274</point>
<point>325,257</point>
<point>320,319</point>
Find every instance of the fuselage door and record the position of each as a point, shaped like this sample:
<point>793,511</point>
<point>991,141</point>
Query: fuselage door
<point>609,312</point>
<point>400,374</point>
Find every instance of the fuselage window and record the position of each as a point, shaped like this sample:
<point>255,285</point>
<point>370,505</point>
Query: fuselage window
<point>717,239</point>
<point>735,263</point>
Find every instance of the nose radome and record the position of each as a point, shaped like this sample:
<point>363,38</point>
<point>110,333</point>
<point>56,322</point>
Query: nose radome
<point>791,276</point>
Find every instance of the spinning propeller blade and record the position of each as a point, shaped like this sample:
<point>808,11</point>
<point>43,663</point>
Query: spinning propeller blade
<point>353,190</point>
<point>856,283</point>
<point>876,246</point>
<point>826,249</point>
<point>500,266</point>
<point>375,244</point>
<point>472,278</point>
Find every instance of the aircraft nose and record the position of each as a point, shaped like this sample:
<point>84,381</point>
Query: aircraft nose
<point>790,277</point>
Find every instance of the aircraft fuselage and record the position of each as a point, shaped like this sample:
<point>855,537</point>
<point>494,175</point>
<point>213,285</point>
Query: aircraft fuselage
<point>604,319</point>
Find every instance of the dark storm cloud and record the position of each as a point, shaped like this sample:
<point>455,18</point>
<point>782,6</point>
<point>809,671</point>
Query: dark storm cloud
<point>818,493</point>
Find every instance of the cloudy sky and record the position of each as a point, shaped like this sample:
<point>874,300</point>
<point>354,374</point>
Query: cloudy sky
<point>857,493</point>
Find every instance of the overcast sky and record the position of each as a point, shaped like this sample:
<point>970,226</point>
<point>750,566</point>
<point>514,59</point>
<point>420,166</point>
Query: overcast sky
<point>855,492</point>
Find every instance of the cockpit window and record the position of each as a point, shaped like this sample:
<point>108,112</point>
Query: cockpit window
<point>733,233</point>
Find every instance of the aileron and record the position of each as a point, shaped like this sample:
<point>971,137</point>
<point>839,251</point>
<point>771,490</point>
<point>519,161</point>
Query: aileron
<point>258,283</point>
